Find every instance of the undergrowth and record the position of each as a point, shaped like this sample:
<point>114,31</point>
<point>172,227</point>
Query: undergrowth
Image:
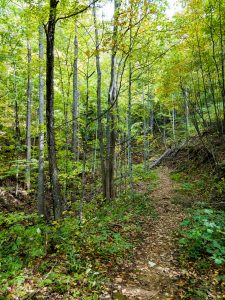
<point>68,257</point>
<point>203,236</point>
<point>202,255</point>
<point>201,240</point>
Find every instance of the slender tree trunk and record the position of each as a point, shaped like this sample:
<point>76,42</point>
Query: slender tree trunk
<point>75,99</point>
<point>40,195</point>
<point>124,150</point>
<point>173,124</point>
<point>129,114</point>
<point>129,131</point>
<point>17,131</point>
<point>164,130</point>
<point>187,113</point>
<point>144,131</point>
<point>152,119</point>
<point>65,110</point>
<point>112,98</point>
<point>186,106</point>
<point>28,120</point>
<point>149,120</point>
<point>99,104</point>
<point>215,62</point>
<point>53,170</point>
<point>85,143</point>
<point>95,153</point>
<point>65,192</point>
<point>222,55</point>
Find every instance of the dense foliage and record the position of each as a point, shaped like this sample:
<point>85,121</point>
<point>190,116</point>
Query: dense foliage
<point>203,236</point>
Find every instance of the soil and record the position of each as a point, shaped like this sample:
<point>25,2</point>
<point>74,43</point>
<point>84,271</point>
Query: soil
<point>156,267</point>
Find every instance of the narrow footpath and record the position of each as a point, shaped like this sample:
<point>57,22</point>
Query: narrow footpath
<point>156,267</point>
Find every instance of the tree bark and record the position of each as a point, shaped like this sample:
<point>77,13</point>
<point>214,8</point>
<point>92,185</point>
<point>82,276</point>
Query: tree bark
<point>17,131</point>
<point>99,103</point>
<point>53,171</point>
<point>40,195</point>
<point>75,99</point>
<point>145,130</point>
<point>28,119</point>
<point>112,98</point>
<point>129,112</point>
<point>222,55</point>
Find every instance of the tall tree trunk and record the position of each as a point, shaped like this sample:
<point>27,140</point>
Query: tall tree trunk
<point>186,107</point>
<point>164,129</point>
<point>145,130</point>
<point>222,55</point>
<point>129,112</point>
<point>99,103</point>
<point>85,143</point>
<point>40,195</point>
<point>17,131</point>
<point>28,119</point>
<point>75,98</point>
<point>53,171</point>
<point>65,111</point>
<point>112,98</point>
<point>66,130</point>
<point>150,120</point>
<point>129,138</point>
<point>212,35</point>
<point>173,124</point>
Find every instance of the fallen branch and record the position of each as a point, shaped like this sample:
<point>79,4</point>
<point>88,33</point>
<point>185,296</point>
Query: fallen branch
<point>160,159</point>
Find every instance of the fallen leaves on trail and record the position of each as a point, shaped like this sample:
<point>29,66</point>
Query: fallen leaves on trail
<point>155,267</point>
<point>156,272</point>
<point>201,284</point>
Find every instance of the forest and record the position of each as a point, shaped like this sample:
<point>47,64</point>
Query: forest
<point>112,149</point>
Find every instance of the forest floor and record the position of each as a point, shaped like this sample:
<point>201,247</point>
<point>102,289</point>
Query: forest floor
<point>155,268</point>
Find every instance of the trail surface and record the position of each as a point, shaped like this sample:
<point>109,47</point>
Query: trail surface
<point>156,267</point>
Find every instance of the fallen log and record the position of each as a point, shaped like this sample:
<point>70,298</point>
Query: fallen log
<point>166,154</point>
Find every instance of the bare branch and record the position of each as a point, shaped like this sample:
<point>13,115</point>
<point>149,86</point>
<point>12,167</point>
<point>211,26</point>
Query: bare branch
<point>76,12</point>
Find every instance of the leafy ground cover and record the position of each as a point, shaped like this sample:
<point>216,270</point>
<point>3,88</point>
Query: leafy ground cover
<point>202,255</point>
<point>201,240</point>
<point>69,259</point>
<point>203,236</point>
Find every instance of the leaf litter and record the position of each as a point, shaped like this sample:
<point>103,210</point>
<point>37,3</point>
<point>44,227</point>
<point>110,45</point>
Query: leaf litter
<point>155,270</point>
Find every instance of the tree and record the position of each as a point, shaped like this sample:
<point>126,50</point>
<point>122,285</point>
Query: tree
<point>41,195</point>
<point>53,170</point>
<point>99,103</point>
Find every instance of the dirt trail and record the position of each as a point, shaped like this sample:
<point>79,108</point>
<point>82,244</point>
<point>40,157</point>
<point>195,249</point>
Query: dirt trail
<point>156,265</point>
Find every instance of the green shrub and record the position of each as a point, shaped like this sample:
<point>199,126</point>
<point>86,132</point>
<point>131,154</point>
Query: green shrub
<point>21,240</point>
<point>203,236</point>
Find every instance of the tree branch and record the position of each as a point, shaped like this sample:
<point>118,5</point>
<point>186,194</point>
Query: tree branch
<point>76,12</point>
